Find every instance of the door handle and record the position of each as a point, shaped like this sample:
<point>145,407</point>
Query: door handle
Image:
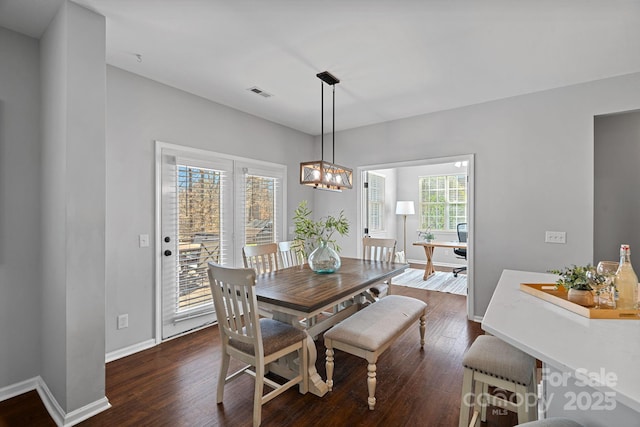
<point>167,253</point>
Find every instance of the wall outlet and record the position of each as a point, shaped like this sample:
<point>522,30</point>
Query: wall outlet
<point>123,321</point>
<point>143,240</point>
<point>555,237</point>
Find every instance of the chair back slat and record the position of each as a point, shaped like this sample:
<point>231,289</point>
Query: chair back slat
<point>377,249</point>
<point>290,254</point>
<point>262,258</point>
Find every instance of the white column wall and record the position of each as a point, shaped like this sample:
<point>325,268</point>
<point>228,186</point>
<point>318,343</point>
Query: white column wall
<point>73,212</point>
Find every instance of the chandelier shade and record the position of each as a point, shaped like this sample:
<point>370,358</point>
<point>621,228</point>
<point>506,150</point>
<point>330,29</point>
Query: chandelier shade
<point>320,174</point>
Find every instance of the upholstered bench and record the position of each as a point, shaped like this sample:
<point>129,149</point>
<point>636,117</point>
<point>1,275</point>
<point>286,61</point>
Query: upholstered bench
<point>369,332</point>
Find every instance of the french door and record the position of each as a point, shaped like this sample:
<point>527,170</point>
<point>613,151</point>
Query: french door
<point>210,206</point>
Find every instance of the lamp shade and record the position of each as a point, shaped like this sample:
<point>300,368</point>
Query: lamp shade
<point>405,208</point>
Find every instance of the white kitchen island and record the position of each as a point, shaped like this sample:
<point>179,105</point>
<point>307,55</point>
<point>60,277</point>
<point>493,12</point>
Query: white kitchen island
<point>591,367</point>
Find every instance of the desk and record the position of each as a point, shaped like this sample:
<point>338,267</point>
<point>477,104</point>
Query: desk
<point>296,292</point>
<point>570,346</point>
<point>428,251</point>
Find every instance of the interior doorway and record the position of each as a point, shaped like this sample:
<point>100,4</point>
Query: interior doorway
<point>389,183</point>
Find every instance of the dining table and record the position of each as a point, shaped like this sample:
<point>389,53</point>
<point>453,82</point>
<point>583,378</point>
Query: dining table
<point>315,302</point>
<point>429,247</point>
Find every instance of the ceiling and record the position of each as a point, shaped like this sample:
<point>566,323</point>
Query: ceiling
<point>395,58</point>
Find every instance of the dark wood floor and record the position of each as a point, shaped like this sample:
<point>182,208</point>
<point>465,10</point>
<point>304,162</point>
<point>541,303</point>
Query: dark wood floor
<point>174,383</point>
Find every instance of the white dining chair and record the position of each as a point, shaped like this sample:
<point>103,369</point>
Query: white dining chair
<point>383,250</point>
<point>290,254</point>
<point>252,340</point>
<point>262,258</point>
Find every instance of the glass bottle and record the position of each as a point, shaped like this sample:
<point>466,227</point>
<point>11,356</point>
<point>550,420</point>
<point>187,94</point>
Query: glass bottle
<point>626,281</point>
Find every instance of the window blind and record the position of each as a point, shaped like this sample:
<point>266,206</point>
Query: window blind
<point>376,202</point>
<point>260,204</point>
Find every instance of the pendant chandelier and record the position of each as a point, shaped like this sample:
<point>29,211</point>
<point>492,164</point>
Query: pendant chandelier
<point>320,174</point>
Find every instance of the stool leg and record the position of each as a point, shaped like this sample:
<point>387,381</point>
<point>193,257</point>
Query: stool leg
<point>466,398</point>
<point>533,389</point>
<point>329,367</point>
<point>521,400</point>
<point>371,385</point>
<point>481,393</point>
<point>422,329</point>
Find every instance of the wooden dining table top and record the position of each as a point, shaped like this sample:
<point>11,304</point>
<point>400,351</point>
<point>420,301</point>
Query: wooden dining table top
<point>299,288</point>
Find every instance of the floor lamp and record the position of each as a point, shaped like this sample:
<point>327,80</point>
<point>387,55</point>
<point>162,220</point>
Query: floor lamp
<point>405,208</point>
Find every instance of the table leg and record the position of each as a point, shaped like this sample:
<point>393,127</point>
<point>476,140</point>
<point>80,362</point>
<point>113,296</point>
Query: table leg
<point>428,269</point>
<point>317,385</point>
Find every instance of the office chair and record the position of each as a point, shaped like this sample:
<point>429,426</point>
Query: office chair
<point>461,252</point>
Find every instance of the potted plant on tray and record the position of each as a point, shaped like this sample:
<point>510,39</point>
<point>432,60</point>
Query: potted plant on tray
<point>315,238</point>
<point>577,281</point>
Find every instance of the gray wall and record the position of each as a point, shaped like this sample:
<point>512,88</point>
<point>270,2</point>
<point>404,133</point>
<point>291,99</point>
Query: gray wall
<point>140,111</point>
<point>616,183</point>
<point>533,171</point>
<point>20,236</point>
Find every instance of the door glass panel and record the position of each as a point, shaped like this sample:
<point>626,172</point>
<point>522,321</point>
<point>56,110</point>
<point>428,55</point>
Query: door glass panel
<point>199,209</point>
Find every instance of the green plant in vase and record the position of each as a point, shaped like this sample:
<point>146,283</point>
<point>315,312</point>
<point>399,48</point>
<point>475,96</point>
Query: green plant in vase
<point>315,238</point>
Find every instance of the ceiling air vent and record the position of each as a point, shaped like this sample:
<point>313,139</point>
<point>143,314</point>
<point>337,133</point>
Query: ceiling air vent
<point>257,90</point>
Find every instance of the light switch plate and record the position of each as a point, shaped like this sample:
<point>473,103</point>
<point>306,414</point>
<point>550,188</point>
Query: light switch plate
<point>143,240</point>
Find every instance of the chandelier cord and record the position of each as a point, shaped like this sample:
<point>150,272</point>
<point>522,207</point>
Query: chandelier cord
<point>333,121</point>
<point>321,121</point>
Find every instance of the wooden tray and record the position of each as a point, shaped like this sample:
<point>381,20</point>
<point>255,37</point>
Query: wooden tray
<point>558,296</point>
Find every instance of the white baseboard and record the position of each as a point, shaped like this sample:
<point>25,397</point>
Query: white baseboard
<point>61,418</point>
<point>17,389</point>
<point>128,351</point>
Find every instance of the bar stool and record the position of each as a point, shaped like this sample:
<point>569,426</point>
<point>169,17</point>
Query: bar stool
<point>492,362</point>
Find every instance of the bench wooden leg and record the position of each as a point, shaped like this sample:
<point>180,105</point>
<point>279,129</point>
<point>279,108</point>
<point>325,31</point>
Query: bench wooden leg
<point>422,329</point>
<point>329,367</point>
<point>371,383</point>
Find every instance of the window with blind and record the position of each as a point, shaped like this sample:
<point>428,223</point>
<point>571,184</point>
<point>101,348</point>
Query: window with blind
<point>376,202</point>
<point>260,209</point>
<point>260,204</point>
<point>200,206</point>
<point>443,202</point>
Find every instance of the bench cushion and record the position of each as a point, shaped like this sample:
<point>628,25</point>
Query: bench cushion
<point>376,324</point>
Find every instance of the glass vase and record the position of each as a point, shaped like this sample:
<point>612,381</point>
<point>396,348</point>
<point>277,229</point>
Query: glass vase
<point>324,259</point>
